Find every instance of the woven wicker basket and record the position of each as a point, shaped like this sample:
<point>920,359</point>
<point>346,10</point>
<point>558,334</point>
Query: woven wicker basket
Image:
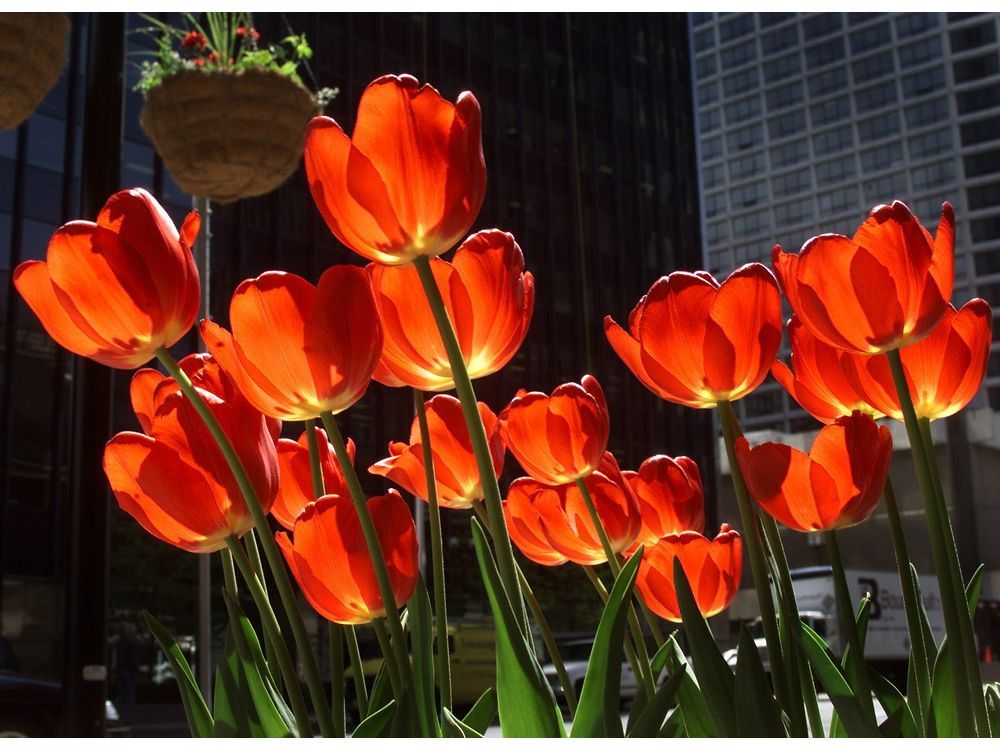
<point>31,57</point>
<point>226,135</point>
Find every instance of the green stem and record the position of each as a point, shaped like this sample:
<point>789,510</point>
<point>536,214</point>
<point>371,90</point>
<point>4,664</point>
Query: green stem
<point>848,626</point>
<point>642,671</point>
<point>271,551</point>
<point>437,555</point>
<point>335,631</point>
<point>541,620</point>
<point>477,434</point>
<point>271,627</point>
<point>385,643</point>
<point>398,642</point>
<point>250,542</point>
<point>811,700</point>
<point>758,565</point>
<point>952,597</point>
<point>911,605</point>
<point>965,622</point>
<point>358,670</point>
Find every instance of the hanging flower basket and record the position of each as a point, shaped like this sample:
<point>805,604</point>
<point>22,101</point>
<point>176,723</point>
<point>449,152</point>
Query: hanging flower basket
<point>31,58</point>
<point>228,134</point>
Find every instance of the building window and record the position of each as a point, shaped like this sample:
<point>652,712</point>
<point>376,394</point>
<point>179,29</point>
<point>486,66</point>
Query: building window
<point>768,20</point>
<point>828,82</point>
<point>780,40</point>
<point>782,68</point>
<point>708,93</point>
<point>870,38</point>
<point>833,140</point>
<point>744,138</point>
<point>882,158</point>
<point>878,127</point>
<point>796,212</point>
<point>973,36</point>
<point>985,162</point>
<point>736,27</point>
<point>742,110</point>
<point>718,232</point>
<point>914,23</point>
<point>830,111</point>
<point>738,55</point>
<point>986,97</point>
<point>858,18</point>
<point>711,148</point>
<point>928,112</point>
<point>884,189</point>
<point>985,230</point>
<point>825,53</point>
<point>704,40</point>
<point>821,25</point>
<point>838,201</point>
<point>836,170</point>
<point>933,175</point>
<point>747,166</point>
<point>755,223</point>
<point>874,67</point>
<point>713,176</point>
<point>799,181</point>
<point>983,196</point>
<point>924,82</point>
<point>706,66</point>
<point>715,204</point>
<point>748,195</point>
<point>700,19</point>
<point>875,97</point>
<point>929,144</point>
<point>975,68</point>
<point>789,153</point>
<point>709,120</point>
<point>980,131</point>
<point>781,126</point>
<point>740,83</point>
<point>920,52</point>
<point>784,96</point>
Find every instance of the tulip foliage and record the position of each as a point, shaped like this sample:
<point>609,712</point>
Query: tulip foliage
<point>873,336</point>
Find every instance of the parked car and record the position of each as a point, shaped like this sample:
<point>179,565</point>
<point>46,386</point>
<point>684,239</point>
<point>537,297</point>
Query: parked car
<point>575,654</point>
<point>32,707</point>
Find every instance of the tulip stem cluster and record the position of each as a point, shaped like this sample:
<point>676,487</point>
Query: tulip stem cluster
<point>477,434</point>
<point>437,555</point>
<point>945,558</point>
<point>285,591</point>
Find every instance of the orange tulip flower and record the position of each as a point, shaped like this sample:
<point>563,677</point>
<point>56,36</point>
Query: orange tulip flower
<point>489,297</point>
<point>696,342</point>
<point>117,290</point>
<point>328,556</point>
<point>836,485</point>
<point>173,479</point>
<point>297,350</point>
<point>455,472</point>
<point>824,381</point>
<point>882,289</point>
<point>411,179</point>
<point>944,369</point>
<point>558,438</point>
<point>670,496</point>
<point>551,525</point>
<point>713,568</point>
<point>295,490</point>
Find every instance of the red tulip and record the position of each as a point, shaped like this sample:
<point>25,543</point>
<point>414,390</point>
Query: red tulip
<point>713,569</point>
<point>944,369</point>
<point>696,342</point>
<point>824,381</point>
<point>455,472</point>
<point>836,485</point>
<point>295,490</point>
<point>297,350</point>
<point>328,556</point>
<point>174,479</point>
<point>551,525</point>
<point>882,289</point>
<point>411,179</point>
<point>118,290</point>
<point>670,496</point>
<point>489,297</point>
<point>558,438</point>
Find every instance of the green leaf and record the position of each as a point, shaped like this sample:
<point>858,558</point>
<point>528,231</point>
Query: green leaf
<point>421,626</point>
<point>920,674</point>
<point>695,716</point>
<point>526,703</point>
<point>234,713</point>
<point>483,712</point>
<point>993,703</point>
<point>456,728</point>
<point>378,723</point>
<point>597,713</point>
<point>714,675</point>
<point>972,589</point>
<point>381,694</point>
<point>836,686</point>
<point>847,664</point>
<point>673,727</point>
<point>659,661</point>
<point>943,713</point>
<point>758,714</point>
<point>895,706</point>
<point>198,716</point>
<point>650,720</point>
